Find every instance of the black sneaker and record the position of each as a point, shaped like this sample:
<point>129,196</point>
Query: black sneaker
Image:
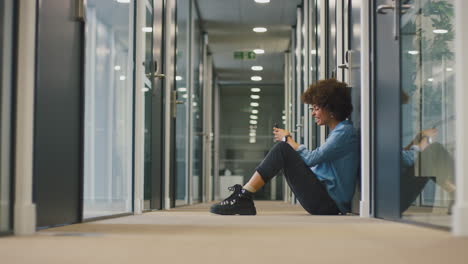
<point>240,202</point>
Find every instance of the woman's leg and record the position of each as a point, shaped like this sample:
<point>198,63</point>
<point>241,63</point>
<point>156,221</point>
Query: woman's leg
<point>310,192</point>
<point>256,182</point>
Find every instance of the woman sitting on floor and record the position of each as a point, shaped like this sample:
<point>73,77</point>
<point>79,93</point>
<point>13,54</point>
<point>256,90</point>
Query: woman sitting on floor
<point>323,179</point>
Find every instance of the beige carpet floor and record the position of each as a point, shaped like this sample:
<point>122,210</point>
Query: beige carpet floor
<point>280,233</point>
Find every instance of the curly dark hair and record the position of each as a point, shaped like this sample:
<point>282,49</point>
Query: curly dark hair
<point>331,95</point>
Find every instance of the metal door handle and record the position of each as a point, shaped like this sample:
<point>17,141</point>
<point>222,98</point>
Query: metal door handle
<point>157,75</point>
<point>80,10</point>
<point>381,9</point>
<point>174,103</point>
<point>396,16</point>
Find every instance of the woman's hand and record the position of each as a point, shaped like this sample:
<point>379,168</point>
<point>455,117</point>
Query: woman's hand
<point>280,133</point>
<point>432,132</point>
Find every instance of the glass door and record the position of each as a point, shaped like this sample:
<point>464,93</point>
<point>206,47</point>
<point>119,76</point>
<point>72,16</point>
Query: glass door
<point>197,108</point>
<point>153,87</point>
<point>108,103</point>
<point>148,91</point>
<point>181,93</point>
<point>415,124</point>
<point>427,110</point>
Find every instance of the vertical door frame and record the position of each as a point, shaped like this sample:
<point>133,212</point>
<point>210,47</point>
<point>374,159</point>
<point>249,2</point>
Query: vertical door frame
<point>189,106</point>
<point>207,120</point>
<point>386,128</point>
<point>139,107</point>
<point>298,75</point>
<point>288,107</point>
<point>460,210</point>
<point>321,53</point>
<point>366,120</point>
<point>169,121</point>
<point>157,108</point>
<point>24,208</point>
<point>305,69</point>
<point>217,113</point>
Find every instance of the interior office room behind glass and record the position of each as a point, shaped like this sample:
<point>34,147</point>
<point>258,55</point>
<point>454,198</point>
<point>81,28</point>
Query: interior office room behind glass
<point>6,95</point>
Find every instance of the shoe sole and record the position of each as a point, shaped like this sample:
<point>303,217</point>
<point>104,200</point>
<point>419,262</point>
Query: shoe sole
<point>240,212</point>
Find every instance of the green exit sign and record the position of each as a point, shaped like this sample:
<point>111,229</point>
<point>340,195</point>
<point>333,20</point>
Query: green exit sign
<point>244,55</point>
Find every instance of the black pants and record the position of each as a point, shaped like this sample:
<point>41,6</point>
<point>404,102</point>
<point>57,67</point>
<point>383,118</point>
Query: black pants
<point>309,191</point>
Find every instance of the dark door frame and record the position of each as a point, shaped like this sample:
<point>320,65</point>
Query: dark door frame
<point>385,105</point>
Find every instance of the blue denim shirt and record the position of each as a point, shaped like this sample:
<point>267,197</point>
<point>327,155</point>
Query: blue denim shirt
<point>336,163</point>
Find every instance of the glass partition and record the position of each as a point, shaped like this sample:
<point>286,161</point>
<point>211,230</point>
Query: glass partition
<point>427,111</point>
<point>197,108</point>
<point>181,117</point>
<point>6,62</point>
<point>108,108</point>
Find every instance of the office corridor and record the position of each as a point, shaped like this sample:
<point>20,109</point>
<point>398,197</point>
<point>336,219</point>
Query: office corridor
<point>280,233</point>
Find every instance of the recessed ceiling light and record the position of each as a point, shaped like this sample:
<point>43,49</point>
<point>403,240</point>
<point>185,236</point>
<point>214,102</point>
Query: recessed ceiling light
<point>440,31</point>
<point>123,1</point>
<point>182,89</point>
<point>259,51</point>
<point>147,29</point>
<point>449,69</point>
<point>254,111</point>
<point>255,96</point>
<point>252,134</point>
<point>122,77</point>
<point>253,122</point>
<point>117,67</point>
<point>255,90</point>
<point>260,29</point>
<point>430,79</point>
<point>313,52</point>
<point>254,117</point>
<point>252,140</point>
<point>262,1</point>
<point>178,78</point>
<point>413,52</point>
<point>256,78</point>
<point>184,96</point>
<point>254,104</point>
<point>257,68</point>
<point>145,89</point>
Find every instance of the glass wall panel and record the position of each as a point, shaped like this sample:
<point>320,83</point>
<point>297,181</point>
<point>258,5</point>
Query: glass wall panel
<point>197,109</point>
<point>245,140</point>
<point>6,62</point>
<point>182,81</point>
<point>108,108</point>
<point>427,111</point>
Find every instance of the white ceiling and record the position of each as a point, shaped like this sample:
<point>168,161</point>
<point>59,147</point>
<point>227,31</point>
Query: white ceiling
<point>229,26</point>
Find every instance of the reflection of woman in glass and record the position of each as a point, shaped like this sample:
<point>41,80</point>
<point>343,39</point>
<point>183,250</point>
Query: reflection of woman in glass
<point>322,179</point>
<point>434,162</point>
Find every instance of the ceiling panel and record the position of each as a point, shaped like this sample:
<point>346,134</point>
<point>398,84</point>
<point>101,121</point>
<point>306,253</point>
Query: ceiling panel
<point>229,26</point>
